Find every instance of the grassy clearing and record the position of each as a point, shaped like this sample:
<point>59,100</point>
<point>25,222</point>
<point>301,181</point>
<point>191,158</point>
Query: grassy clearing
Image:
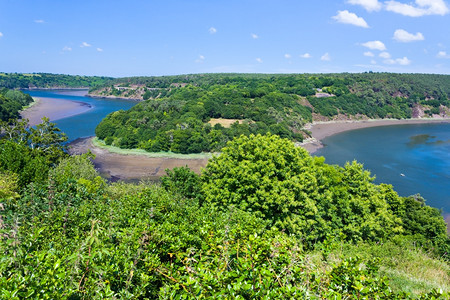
<point>224,122</point>
<point>101,144</point>
<point>408,268</point>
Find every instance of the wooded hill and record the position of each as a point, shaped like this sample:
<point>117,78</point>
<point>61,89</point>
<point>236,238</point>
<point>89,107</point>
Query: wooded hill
<point>195,113</point>
<point>49,81</point>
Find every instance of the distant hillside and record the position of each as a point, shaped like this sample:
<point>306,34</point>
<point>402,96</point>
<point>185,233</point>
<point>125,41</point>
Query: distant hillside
<point>45,80</point>
<point>195,113</point>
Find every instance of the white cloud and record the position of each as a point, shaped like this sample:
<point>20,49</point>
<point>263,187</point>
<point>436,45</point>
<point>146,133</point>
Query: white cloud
<point>369,54</point>
<point>84,44</point>
<point>200,59</point>
<point>67,48</point>
<point>325,57</point>
<point>346,17</point>
<point>373,62</point>
<point>259,60</point>
<point>212,30</point>
<point>99,49</point>
<point>404,36</point>
<point>39,21</point>
<point>369,5</point>
<point>442,54</point>
<point>385,55</point>
<point>1,34</point>
<point>403,61</point>
<point>305,55</point>
<point>421,8</point>
<point>375,45</point>
<point>255,36</point>
<point>399,61</point>
<point>287,56</point>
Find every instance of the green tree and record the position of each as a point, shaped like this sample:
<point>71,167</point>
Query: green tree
<point>276,181</point>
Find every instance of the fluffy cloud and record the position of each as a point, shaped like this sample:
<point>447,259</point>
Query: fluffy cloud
<point>84,44</point>
<point>369,5</point>
<point>255,36</point>
<point>99,49</point>
<point>259,60</point>
<point>212,30</point>
<point>369,54</point>
<point>375,45</point>
<point>421,8</point>
<point>39,21</point>
<point>305,55</point>
<point>442,54</point>
<point>66,48</point>
<point>1,34</point>
<point>399,61</point>
<point>287,56</point>
<point>325,57</point>
<point>385,55</point>
<point>404,36</point>
<point>346,17</point>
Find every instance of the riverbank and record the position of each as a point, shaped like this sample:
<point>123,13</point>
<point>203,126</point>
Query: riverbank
<point>321,130</point>
<point>132,167</point>
<point>54,109</point>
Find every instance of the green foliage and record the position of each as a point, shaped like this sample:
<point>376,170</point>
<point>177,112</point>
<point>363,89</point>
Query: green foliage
<point>80,169</point>
<point>249,227</point>
<point>183,181</point>
<point>275,180</point>
<point>8,186</point>
<point>30,152</point>
<point>11,102</point>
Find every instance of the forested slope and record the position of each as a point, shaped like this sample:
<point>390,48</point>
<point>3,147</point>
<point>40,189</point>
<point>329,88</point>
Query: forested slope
<point>195,113</point>
<point>265,219</point>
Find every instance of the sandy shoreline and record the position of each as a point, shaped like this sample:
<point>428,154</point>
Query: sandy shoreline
<point>321,130</point>
<point>54,109</point>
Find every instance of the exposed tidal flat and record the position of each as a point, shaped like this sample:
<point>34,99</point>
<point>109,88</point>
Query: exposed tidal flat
<point>413,155</point>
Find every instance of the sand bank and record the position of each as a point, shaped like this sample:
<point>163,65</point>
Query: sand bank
<point>54,109</point>
<point>321,130</point>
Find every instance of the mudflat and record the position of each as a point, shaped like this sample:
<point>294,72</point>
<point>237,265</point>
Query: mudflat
<point>115,166</point>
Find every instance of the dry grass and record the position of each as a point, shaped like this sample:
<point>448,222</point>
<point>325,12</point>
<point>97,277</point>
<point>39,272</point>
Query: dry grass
<point>224,122</point>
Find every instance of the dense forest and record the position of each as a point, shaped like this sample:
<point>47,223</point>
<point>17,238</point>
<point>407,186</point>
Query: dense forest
<point>197,113</point>
<point>11,102</point>
<point>46,80</point>
<point>264,220</point>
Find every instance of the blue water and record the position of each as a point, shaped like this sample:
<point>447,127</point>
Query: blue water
<point>420,152</point>
<point>83,125</point>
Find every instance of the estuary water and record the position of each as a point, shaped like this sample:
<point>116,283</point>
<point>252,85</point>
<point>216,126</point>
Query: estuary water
<point>414,158</point>
<point>82,125</point>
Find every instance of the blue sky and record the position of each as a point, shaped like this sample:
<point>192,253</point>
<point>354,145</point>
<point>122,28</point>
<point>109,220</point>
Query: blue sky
<point>137,37</point>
